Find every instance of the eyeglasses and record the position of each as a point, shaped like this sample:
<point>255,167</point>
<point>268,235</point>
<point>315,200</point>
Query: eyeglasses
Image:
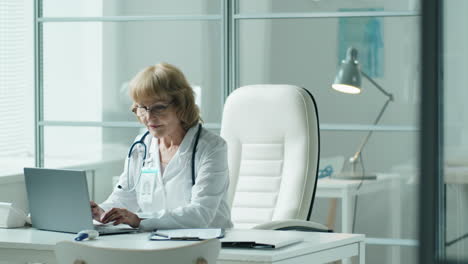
<point>156,109</point>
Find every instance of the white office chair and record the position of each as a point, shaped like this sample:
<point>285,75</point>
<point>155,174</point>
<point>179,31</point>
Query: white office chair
<point>204,252</point>
<point>272,132</point>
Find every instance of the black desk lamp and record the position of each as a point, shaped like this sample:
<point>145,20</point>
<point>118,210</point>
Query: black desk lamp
<point>348,80</point>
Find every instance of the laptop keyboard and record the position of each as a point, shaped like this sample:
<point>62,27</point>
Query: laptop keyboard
<point>109,229</point>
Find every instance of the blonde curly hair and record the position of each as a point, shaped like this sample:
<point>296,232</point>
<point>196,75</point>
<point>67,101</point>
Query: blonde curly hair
<point>164,81</point>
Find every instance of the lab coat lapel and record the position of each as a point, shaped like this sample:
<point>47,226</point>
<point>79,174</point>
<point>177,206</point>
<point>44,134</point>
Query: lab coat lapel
<point>181,162</point>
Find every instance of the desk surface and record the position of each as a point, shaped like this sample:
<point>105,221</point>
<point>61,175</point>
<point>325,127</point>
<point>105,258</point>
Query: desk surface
<point>32,239</point>
<point>456,174</point>
<point>342,183</point>
<point>330,187</point>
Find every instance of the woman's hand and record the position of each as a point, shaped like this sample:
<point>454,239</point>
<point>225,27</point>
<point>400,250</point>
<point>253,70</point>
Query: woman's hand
<point>120,216</point>
<point>96,211</point>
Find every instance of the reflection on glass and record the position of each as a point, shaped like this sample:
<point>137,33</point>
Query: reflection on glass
<point>306,52</point>
<point>455,129</point>
<point>87,66</point>
<point>98,8</point>
<point>395,159</point>
<point>317,6</point>
<point>386,207</point>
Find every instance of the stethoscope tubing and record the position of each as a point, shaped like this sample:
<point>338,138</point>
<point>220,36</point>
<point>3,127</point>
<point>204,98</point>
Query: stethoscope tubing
<point>194,151</point>
<point>145,147</point>
<point>129,156</point>
<point>142,142</point>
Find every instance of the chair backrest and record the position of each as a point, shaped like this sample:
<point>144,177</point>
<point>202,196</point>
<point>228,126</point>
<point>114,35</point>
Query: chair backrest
<point>272,132</point>
<point>204,252</point>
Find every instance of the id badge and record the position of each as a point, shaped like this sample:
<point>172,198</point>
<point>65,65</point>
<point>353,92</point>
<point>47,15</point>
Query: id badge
<point>146,187</point>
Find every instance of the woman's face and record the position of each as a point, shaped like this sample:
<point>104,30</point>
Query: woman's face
<point>159,116</point>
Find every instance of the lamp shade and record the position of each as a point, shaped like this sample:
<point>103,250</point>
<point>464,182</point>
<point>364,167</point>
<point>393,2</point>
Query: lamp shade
<point>348,78</point>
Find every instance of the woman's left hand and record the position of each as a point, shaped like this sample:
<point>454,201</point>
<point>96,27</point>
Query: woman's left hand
<point>121,216</point>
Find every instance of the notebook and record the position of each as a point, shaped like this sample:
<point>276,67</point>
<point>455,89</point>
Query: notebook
<point>187,234</point>
<point>59,201</point>
<point>256,238</point>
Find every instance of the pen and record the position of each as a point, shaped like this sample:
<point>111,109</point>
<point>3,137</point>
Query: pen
<point>155,233</point>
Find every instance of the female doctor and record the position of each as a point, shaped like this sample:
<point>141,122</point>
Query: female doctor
<point>177,175</point>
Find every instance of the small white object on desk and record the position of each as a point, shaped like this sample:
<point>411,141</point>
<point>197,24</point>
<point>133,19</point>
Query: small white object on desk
<point>11,217</point>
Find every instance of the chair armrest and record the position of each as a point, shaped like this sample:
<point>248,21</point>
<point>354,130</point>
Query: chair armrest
<point>294,224</point>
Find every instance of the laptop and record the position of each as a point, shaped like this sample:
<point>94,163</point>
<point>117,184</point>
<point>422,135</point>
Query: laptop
<point>59,201</point>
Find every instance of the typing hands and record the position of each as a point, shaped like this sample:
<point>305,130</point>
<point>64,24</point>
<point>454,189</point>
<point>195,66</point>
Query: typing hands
<point>96,211</point>
<point>115,215</point>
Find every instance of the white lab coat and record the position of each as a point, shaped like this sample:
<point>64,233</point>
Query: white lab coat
<point>175,202</point>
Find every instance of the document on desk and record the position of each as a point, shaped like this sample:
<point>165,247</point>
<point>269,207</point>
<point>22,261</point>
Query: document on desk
<point>260,239</point>
<point>187,234</point>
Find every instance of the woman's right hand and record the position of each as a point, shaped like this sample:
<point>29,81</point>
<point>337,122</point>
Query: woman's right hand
<point>96,211</point>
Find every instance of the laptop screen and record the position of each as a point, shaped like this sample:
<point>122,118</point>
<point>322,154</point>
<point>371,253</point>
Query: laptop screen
<point>58,199</point>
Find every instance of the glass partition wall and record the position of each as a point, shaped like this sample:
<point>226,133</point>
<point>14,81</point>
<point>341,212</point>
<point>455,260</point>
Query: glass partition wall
<point>444,173</point>
<point>455,128</point>
<point>303,43</point>
<point>87,51</point>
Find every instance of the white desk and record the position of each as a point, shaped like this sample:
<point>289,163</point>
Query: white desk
<point>456,174</point>
<point>30,245</point>
<point>346,190</point>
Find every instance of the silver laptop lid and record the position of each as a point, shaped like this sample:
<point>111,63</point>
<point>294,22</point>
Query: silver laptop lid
<point>58,199</point>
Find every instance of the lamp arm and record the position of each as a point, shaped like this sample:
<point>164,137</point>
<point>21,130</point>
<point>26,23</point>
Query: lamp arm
<point>356,155</point>
<point>389,95</point>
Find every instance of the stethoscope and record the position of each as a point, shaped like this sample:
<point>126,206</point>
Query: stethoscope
<point>141,142</point>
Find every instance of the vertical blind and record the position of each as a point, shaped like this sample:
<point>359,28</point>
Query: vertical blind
<point>16,84</point>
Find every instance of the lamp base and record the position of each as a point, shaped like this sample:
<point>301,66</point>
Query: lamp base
<point>353,176</point>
